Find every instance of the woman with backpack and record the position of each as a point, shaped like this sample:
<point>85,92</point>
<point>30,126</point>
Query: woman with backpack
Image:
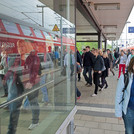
<point>105,73</point>
<point>98,68</point>
<point>124,101</point>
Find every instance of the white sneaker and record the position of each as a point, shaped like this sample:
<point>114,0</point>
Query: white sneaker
<point>94,95</point>
<point>32,126</point>
<point>102,89</point>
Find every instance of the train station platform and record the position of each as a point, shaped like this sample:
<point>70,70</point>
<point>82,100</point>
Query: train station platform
<point>95,115</point>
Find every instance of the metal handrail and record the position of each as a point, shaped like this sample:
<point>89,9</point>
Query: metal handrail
<point>20,97</point>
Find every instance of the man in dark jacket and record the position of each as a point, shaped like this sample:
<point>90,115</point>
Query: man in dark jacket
<point>88,64</point>
<point>79,60</point>
<point>98,68</point>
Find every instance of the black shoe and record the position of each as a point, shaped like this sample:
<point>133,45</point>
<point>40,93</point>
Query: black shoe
<point>86,84</point>
<point>106,86</point>
<point>89,85</point>
<point>100,86</point>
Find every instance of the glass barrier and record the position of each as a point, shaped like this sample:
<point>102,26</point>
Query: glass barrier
<point>37,65</point>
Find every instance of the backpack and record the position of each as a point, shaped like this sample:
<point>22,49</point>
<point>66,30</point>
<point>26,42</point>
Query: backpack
<point>126,81</point>
<point>104,68</point>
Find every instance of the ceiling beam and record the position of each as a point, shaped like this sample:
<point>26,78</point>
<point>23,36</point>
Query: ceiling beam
<point>91,19</point>
<point>85,34</point>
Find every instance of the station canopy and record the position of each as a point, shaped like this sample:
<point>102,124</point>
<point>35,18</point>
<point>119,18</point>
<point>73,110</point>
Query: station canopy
<point>110,17</point>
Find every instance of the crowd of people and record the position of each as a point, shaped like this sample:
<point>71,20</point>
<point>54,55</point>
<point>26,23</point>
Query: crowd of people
<point>97,65</point>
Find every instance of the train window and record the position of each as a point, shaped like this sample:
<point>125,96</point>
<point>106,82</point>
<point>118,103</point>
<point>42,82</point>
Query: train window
<point>26,30</point>
<point>10,27</point>
<point>54,37</point>
<point>47,36</point>
<point>38,33</point>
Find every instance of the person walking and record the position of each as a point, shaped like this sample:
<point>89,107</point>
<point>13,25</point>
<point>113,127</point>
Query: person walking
<point>98,68</point>
<point>88,62</point>
<point>79,60</point>
<point>4,68</point>
<point>56,57</point>
<point>124,101</point>
<point>130,57</point>
<point>110,61</point>
<point>122,63</point>
<point>105,73</point>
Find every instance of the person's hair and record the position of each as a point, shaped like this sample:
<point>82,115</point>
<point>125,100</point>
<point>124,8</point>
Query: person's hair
<point>100,52</point>
<point>88,47</point>
<point>130,67</point>
<point>96,50</point>
<point>123,51</point>
<point>105,53</point>
<point>84,49</point>
<point>132,49</point>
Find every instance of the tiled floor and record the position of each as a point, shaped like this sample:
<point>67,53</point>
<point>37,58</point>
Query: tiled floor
<point>95,115</point>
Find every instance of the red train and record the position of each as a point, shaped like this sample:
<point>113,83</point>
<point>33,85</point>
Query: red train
<point>20,37</point>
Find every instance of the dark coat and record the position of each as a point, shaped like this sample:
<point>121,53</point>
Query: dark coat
<point>79,58</point>
<point>107,66</point>
<point>88,60</point>
<point>98,64</point>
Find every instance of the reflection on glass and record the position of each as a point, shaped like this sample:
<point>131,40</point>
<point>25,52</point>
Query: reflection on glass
<point>37,67</point>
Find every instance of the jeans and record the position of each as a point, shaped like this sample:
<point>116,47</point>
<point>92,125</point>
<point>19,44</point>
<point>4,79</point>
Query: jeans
<point>103,81</point>
<point>88,78</point>
<point>96,76</point>
<point>14,107</point>
<point>129,121</point>
<point>44,89</point>
<point>121,67</point>
<point>4,86</point>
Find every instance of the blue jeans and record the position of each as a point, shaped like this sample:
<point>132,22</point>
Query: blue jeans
<point>88,78</point>
<point>129,121</point>
<point>44,89</point>
<point>14,107</point>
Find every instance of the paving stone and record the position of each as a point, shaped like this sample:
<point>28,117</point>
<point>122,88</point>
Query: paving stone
<point>116,127</point>
<point>112,120</point>
<point>90,124</point>
<point>79,123</point>
<point>99,119</point>
<point>106,126</point>
<point>77,117</point>
<point>96,131</point>
<point>87,118</point>
<point>111,132</point>
<point>82,130</point>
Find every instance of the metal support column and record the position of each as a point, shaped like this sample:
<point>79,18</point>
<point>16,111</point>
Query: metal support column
<point>100,40</point>
<point>105,44</point>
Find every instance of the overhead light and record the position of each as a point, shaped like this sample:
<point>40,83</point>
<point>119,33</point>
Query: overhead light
<point>113,34</point>
<point>107,6</point>
<point>109,26</point>
<point>111,38</point>
<point>110,34</point>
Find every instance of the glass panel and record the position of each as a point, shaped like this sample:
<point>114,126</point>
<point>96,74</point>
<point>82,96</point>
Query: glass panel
<point>37,75</point>
<point>47,36</point>
<point>38,33</point>
<point>26,30</point>
<point>10,27</point>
